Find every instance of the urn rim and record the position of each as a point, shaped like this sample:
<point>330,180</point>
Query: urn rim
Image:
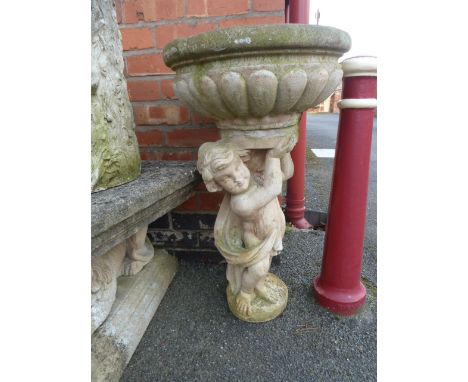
<point>257,39</point>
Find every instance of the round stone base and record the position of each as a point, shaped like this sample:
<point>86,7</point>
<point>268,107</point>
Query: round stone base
<point>262,309</point>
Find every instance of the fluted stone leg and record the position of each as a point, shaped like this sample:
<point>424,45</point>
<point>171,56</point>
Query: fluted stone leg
<point>126,258</point>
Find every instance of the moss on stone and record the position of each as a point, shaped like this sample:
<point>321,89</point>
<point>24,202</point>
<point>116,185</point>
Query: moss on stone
<point>114,158</point>
<point>295,38</point>
<point>289,229</point>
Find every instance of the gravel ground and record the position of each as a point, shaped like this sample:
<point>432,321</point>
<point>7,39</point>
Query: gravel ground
<point>193,336</point>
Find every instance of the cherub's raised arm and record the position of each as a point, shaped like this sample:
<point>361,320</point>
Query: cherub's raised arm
<point>258,197</point>
<point>272,175</point>
<point>287,166</point>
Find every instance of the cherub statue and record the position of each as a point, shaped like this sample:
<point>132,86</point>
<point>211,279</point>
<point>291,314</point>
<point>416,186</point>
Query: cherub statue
<point>250,224</point>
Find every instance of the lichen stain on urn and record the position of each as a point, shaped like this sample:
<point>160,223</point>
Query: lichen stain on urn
<point>234,93</point>
<point>290,89</point>
<point>332,83</point>
<point>248,92</point>
<point>209,93</point>
<point>262,92</point>
<point>195,95</point>
<point>182,91</point>
<point>313,40</point>
<point>115,158</point>
<point>316,81</point>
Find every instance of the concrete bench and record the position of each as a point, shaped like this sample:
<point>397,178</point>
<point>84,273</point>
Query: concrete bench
<point>122,307</point>
<point>118,213</point>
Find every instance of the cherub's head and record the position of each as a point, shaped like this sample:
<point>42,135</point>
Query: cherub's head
<point>222,168</point>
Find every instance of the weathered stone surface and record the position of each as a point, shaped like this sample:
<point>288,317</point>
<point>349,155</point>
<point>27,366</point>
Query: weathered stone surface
<point>120,217</point>
<point>126,258</point>
<point>118,213</point>
<point>262,308</point>
<point>243,66</point>
<point>247,87</point>
<point>291,88</point>
<point>262,92</point>
<point>137,300</point>
<point>105,270</point>
<point>296,38</point>
<point>250,225</point>
<point>114,149</point>
<point>255,82</point>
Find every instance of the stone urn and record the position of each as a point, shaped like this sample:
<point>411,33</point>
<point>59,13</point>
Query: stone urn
<point>255,82</point>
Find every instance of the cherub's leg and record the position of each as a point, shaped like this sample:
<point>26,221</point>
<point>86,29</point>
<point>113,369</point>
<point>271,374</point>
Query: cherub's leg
<point>234,277</point>
<point>260,288</point>
<point>250,279</point>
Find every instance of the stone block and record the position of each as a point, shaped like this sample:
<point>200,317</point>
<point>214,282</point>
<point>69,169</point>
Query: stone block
<point>138,298</point>
<point>118,213</point>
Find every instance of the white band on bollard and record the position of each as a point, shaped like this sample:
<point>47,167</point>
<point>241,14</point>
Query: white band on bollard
<point>357,103</point>
<point>360,66</point>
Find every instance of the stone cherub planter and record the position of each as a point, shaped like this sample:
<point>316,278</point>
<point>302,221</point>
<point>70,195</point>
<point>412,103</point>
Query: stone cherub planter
<point>255,82</point>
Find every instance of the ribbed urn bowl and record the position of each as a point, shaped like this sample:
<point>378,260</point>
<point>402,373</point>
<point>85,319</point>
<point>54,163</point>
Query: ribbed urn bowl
<point>256,81</point>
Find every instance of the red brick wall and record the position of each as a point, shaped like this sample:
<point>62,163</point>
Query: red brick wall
<point>165,128</point>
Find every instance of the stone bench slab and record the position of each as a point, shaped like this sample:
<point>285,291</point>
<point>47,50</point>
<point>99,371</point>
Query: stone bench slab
<point>119,212</point>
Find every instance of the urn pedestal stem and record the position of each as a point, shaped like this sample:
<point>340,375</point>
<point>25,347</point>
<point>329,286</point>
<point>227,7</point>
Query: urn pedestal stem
<point>339,287</point>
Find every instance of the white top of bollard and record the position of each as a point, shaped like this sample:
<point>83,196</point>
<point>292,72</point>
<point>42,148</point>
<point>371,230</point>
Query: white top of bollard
<point>359,66</point>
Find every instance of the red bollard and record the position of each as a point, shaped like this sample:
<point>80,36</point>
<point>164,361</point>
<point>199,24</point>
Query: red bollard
<point>298,12</point>
<point>339,287</point>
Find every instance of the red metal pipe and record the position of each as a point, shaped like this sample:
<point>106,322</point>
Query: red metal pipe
<point>339,287</point>
<point>298,13</point>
